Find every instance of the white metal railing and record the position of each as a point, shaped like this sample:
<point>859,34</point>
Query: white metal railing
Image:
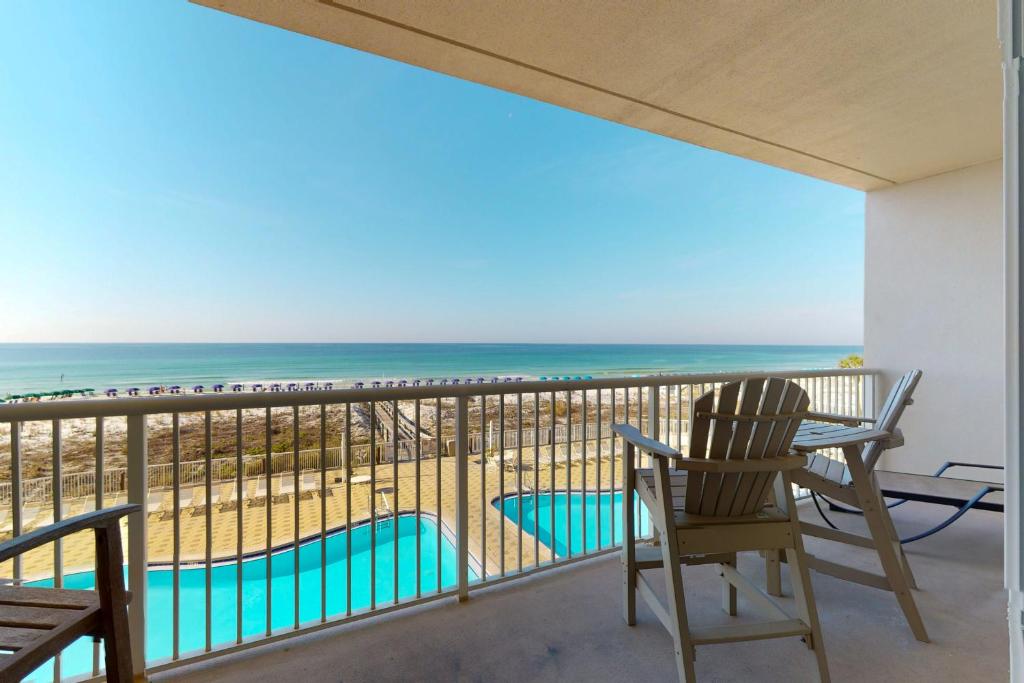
<point>390,531</point>
<point>39,490</point>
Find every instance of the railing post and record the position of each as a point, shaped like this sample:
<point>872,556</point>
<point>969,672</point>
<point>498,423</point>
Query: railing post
<point>462,495</point>
<point>137,491</point>
<point>870,394</point>
<point>653,411</point>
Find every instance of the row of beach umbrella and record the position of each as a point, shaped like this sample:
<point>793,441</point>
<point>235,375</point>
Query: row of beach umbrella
<point>290,386</point>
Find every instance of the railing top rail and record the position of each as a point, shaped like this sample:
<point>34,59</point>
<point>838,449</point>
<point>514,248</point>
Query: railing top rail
<point>191,403</point>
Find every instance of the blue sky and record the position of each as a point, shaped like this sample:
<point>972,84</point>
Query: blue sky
<point>172,173</point>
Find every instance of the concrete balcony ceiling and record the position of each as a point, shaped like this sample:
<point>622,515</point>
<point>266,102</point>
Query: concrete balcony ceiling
<point>864,94</point>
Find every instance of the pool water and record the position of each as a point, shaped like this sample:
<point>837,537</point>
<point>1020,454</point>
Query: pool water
<point>77,658</point>
<point>575,507</point>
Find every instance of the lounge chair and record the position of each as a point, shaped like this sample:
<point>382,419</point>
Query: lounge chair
<point>43,621</point>
<point>187,498</point>
<point>286,485</point>
<point>28,515</point>
<point>962,494</point>
<point>711,505</point>
<point>310,483</point>
<point>856,485</point>
<point>154,502</point>
<point>261,491</point>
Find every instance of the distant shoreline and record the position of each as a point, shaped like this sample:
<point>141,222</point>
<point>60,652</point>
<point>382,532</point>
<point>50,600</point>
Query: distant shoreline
<point>35,368</point>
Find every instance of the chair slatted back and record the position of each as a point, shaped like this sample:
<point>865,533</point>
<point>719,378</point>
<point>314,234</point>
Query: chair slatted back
<point>900,396</point>
<point>753,419</point>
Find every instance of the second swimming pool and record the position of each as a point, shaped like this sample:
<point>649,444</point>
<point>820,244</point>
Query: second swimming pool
<point>572,508</point>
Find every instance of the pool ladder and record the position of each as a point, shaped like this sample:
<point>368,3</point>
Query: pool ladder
<point>384,511</point>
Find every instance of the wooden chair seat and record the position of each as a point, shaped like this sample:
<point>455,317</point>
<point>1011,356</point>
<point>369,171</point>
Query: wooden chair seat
<point>645,488</point>
<point>32,616</point>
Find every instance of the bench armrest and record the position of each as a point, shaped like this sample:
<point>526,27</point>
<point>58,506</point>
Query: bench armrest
<point>91,520</point>
<point>848,420</point>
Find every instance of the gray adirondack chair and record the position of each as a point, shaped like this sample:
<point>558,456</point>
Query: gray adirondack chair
<point>855,483</point>
<point>713,504</point>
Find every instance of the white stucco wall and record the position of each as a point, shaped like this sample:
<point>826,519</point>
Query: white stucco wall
<point>933,299</point>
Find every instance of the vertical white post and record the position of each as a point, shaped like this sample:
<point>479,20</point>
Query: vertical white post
<point>1011,35</point>
<point>871,398</point>
<point>137,491</point>
<point>462,495</point>
<point>653,411</point>
<point>16,490</point>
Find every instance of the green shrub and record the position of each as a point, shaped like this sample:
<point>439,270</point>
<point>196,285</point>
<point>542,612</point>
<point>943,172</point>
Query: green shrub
<point>852,361</point>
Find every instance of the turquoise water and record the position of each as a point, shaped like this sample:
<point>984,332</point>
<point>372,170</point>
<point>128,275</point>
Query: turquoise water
<point>41,367</point>
<point>159,623</point>
<point>581,505</point>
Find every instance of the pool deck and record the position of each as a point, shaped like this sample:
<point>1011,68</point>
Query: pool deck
<point>484,518</point>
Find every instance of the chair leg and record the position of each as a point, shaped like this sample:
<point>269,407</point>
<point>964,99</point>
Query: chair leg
<point>888,548</point>
<point>113,604</point>
<point>803,591</point>
<point>684,651</point>
<point>628,590</point>
<point>729,592</point>
<point>772,559</point>
<point>904,563</point>
<point>804,594</point>
<point>773,573</point>
<point>628,562</point>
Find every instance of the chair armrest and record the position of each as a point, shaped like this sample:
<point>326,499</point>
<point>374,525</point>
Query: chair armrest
<point>849,420</point>
<point>633,435</point>
<point>47,534</point>
<point>785,462</point>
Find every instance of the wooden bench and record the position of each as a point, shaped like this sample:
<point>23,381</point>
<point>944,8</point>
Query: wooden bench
<point>37,623</point>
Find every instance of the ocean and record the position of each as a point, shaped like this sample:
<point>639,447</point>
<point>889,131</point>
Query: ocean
<point>49,367</point>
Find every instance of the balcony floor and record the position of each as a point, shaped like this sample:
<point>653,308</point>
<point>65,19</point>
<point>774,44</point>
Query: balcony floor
<point>566,625</point>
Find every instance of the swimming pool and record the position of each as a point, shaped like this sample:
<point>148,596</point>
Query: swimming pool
<point>159,618</point>
<point>580,504</point>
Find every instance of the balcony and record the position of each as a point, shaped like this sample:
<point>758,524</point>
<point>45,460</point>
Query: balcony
<point>440,490</point>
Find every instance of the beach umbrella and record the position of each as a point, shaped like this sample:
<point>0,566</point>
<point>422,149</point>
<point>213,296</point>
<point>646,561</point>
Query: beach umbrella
<point>236,387</point>
<point>519,379</point>
<point>415,382</point>
<point>328,385</point>
<point>154,390</point>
